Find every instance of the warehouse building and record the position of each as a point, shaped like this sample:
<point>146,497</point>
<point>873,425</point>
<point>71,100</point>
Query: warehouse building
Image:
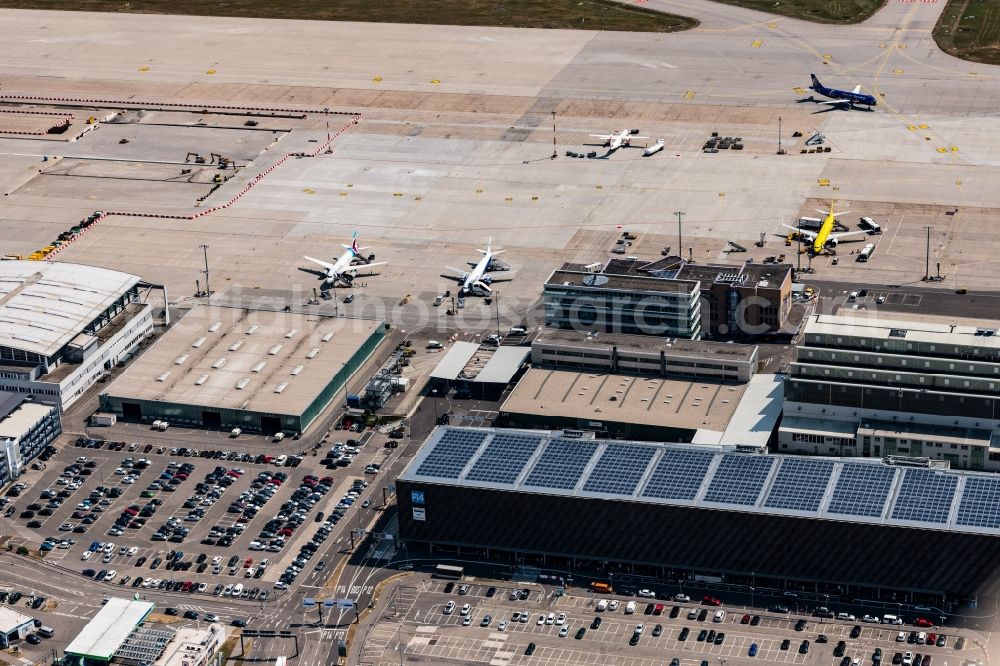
<point>650,408</point>
<point>109,631</point>
<point>876,387</point>
<point>64,326</point>
<point>479,371</point>
<point>633,304</point>
<point>227,367</point>
<point>26,429</point>
<point>780,522</point>
<point>646,356</point>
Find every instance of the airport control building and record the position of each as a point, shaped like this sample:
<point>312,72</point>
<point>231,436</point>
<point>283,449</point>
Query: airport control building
<point>229,367</point>
<point>675,511</point>
<point>64,326</point>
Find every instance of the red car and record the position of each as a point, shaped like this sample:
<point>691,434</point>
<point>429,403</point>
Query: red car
<point>248,563</point>
<point>745,619</point>
<point>931,639</point>
<point>923,622</point>
<point>710,601</point>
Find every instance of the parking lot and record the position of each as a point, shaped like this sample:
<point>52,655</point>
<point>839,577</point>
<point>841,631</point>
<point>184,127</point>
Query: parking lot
<point>195,521</point>
<point>435,624</point>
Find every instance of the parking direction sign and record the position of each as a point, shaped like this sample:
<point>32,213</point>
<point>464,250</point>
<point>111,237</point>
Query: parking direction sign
<point>308,602</point>
<point>345,604</point>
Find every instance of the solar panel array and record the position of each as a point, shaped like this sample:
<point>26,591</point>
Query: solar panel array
<point>451,453</point>
<point>620,469</point>
<point>678,475</point>
<point>800,484</point>
<point>561,464</point>
<point>862,490</point>
<point>739,479</point>
<point>980,502</point>
<point>504,457</point>
<point>925,495</point>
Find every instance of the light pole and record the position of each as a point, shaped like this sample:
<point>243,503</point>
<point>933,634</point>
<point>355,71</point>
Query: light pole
<point>208,289</point>
<point>680,244</point>
<point>555,153</point>
<point>927,259</point>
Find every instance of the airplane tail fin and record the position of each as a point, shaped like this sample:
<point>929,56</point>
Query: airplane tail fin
<point>816,84</point>
<point>354,243</point>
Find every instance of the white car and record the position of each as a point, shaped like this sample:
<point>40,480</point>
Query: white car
<point>109,547</point>
<point>449,608</point>
<point>646,594</point>
<point>561,620</point>
<point>466,609</point>
<point>107,558</point>
<point>551,619</point>
<point>613,605</point>
<point>111,575</point>
<point>211,617</point>
<point>870,618</point>
<point>86,555</point>
<point>541,620</point>
<point>901,637</point>
<point>467,620</point>
<point>217,559</point>
<point>563,632</point>
<point>146,583</point>
<point>602,605</point>
<point>639,627</point>
<point>682,598</point>
<point>502,626</point>
<point>132,551</point>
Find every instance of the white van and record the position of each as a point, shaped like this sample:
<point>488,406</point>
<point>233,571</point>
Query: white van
<point>278,436</point>
<point>434,344</point>
<point>720,616</point>
<point>235,432</point>
<point>630,608</point>
<point>602,605</point>
<point>852,297</point>
<point>891,619</point>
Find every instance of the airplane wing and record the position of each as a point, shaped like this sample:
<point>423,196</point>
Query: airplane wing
<point>328,266</point>
<point>805,232</point>
<point>374,263</point>
<point>835,102</point>
<point>464,274</point>
<point>606,137</point>
<point>847,233</point>
<point>632,136</point>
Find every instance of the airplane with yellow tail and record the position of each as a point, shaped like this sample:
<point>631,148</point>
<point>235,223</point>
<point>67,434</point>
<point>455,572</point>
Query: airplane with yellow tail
<point>824,240</point>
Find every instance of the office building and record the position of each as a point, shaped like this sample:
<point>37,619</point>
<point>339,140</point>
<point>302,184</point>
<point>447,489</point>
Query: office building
<point>26,429</point>
<point>878,387</point>
<point>632,304</point>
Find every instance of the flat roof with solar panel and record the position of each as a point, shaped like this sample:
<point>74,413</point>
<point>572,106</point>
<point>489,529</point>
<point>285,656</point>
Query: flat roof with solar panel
<point>861,490</point>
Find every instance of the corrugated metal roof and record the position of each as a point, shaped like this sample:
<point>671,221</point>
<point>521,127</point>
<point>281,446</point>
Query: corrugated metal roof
<point>454,360</point>
<point>502,366</point>
<point>109,628</point>
<point>44,305</point>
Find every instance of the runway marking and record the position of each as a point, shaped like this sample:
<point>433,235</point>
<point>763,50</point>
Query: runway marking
<point>756,43</point>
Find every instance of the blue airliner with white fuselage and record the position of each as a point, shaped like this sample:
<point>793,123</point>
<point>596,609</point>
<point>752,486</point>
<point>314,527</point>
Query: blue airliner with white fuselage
<point>843,97</point>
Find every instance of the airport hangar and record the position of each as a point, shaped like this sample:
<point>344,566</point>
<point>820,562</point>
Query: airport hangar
<point>64,326</point>
<point>263,371</point>
<point>673,511</point>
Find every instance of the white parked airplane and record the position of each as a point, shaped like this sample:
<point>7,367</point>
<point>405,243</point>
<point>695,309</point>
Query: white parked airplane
<point>478,281</point>
<point>616,140</point>
<point>345,269</point>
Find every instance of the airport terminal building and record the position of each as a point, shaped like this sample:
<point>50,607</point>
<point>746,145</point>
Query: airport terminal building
<point>677,511</point>
<point>64,326</point>
<point>221,368</point>
<point>878,387</point>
